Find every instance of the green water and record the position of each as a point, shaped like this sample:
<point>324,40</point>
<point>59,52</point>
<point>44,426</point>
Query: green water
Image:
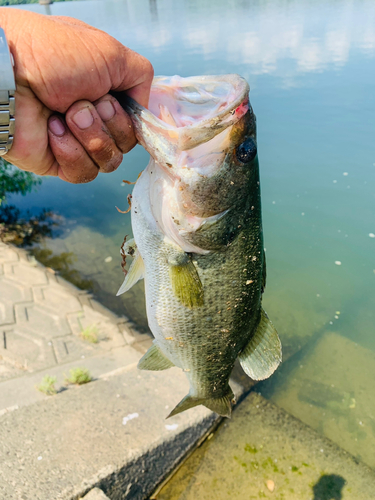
<point>311,69</point>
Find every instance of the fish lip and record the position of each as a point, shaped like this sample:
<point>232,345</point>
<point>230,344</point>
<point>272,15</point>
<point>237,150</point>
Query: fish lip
<point>190,136</point>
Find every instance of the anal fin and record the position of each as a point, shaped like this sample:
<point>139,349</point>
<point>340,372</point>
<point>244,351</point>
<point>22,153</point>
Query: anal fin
<point>262,355</point>
<point>135,273</point>
<point>154,360</point>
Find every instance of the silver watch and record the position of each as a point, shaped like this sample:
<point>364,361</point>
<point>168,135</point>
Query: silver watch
<point>7,90</point>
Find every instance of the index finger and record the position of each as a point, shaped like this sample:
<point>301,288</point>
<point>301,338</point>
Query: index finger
<point>136,74</point>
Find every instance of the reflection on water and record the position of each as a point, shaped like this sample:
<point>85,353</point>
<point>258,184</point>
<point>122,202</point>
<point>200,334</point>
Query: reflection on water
<point>310,65</point>
<point>63,263</point>
<point>27,230</point>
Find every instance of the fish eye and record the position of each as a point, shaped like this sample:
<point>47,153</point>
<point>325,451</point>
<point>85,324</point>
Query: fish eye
<point>247,151</point>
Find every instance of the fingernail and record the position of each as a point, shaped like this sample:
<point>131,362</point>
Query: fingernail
<point>105,110</point>
<point>83,119</point>
<point>56,126</point>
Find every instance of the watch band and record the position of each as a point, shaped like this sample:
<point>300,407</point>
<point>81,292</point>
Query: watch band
<point>7,101</point>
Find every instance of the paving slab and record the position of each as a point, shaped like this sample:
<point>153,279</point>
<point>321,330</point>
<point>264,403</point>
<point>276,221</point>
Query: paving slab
<point>110,433</point>
<point>19,392</point>
<point>276,457</point>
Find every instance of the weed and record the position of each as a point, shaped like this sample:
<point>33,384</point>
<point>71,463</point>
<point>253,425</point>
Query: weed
<point>47,385</point>
<point>78,376</point>
<point>90,334</point>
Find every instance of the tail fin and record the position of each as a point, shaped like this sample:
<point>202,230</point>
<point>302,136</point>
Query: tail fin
<point>222,406</point>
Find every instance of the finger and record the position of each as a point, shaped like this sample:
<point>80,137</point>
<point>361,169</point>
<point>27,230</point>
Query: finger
<point>88,128</point>
<point>71,21</point>
<point>72,164</point>
<point>117,121</point>
<point>30,150</point>
<point>134,76</point>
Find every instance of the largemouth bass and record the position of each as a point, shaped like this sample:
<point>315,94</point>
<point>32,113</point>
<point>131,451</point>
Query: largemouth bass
<point>198,244</point>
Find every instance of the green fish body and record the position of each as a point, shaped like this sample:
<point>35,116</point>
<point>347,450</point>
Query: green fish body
<point>198,244</point>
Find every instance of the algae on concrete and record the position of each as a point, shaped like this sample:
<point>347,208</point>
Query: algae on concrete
<point>263,448</point>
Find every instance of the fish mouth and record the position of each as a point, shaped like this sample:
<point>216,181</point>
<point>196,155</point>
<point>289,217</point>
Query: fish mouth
<point>191,111</point>
<point>185,102</point>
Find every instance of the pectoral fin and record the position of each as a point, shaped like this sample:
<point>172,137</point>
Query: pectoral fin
<point>262,355</point>
<point>135,273</point>
<point>154,360</point>
<point>186,284</point>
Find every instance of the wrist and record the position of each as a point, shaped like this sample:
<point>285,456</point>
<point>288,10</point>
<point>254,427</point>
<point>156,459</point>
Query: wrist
<point>7,92</point>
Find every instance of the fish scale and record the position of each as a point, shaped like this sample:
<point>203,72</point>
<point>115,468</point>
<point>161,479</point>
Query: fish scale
<point>203,306</point>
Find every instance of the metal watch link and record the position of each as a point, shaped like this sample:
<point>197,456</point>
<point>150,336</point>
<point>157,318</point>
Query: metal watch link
<point>7,101</point>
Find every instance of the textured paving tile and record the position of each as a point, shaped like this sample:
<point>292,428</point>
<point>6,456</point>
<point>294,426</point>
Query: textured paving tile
<point>70,347</point>
<point>26,350</point>
<point>7,254</point>
<point>43,318</point>
<point>11,293</point>
<point>107,331</point>
<point>25,273</point>
<point>55,297</point>
<point>44,322</point>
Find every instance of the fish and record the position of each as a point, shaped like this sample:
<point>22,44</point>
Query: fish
<point>198,239</point>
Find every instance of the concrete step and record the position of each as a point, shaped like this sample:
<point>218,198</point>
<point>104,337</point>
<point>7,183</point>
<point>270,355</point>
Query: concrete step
<point>331,387</point>
<point>22,391</point>
<point>264,452</point>
<point>110,433</point>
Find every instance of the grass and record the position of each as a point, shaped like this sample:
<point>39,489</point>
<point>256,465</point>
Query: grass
<point>47,385</point>
<point>90,334</point>
<point>78,376</point>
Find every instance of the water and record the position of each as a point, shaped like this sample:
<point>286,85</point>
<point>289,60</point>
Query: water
<point>311,67</point>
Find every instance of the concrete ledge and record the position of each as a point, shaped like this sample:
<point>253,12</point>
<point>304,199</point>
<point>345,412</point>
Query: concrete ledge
<point>110,433</point>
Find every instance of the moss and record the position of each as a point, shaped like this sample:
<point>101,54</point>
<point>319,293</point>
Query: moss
<point>250,449</point>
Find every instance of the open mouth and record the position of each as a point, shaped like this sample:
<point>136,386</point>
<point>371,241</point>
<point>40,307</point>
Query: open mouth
<point>183,102</point>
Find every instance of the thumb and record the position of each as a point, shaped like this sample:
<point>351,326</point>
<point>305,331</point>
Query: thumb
<point>30,150</point>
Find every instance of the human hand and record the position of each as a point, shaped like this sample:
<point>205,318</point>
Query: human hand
<point>67,123</point>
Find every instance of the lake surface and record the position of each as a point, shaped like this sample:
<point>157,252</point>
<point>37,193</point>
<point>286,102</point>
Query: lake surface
<point>311,69</point>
